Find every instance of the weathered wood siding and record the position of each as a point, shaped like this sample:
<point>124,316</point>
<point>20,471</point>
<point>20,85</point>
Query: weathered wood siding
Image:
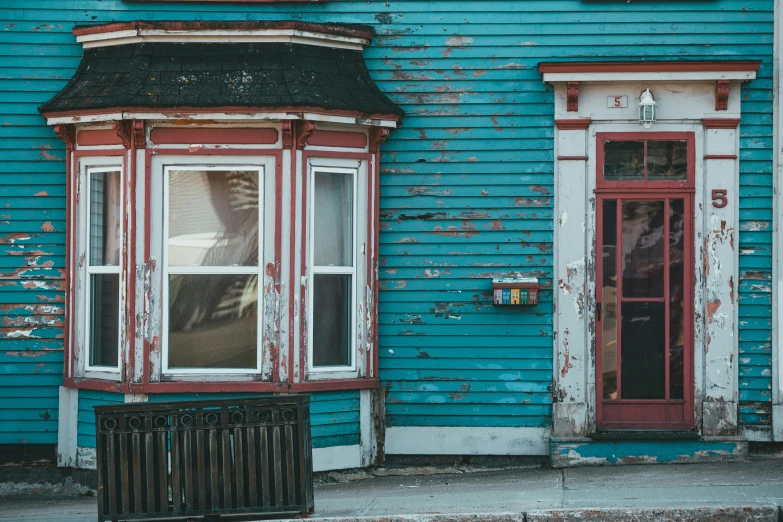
<point>466,189</point>
<point>85,434</point>
<point>334,416</point>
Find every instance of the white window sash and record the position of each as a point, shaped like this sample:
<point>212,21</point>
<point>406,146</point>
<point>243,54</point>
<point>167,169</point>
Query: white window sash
<point>212,270</point>
<point>101,269</point>
<point>314,270</point>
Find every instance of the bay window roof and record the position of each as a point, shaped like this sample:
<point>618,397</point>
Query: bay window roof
<point>167,65</point>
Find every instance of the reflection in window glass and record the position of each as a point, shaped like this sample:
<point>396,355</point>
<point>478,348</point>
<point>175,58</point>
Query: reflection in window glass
<point>643,248</point>
<point>105,225</point>
<point>667,160</point>
<point>333,198</point>
<point>609,297</point>
<point>623,160</point>
<point>332,320</point>
<point>213,321</point>
<point>102,285</point>
<point>104,319</point>
<point>676,298</point>
<point>332,282</point>
<point>213,257</point>
<point>213,218</point>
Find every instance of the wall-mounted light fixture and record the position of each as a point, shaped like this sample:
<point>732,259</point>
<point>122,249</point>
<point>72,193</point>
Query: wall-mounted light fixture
<point>648,109</point>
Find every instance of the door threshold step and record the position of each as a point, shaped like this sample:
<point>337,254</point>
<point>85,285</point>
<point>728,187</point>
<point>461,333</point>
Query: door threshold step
<point>571,452</point>
<point>649,435</point>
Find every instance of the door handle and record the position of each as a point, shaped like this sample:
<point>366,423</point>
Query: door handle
<point>598,312</point>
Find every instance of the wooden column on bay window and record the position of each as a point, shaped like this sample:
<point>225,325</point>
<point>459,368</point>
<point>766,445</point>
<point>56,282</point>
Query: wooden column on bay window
<point>572,368</point>
<point>721,216</point>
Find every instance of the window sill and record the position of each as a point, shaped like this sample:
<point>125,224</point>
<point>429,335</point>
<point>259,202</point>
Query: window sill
<point>221,387</point>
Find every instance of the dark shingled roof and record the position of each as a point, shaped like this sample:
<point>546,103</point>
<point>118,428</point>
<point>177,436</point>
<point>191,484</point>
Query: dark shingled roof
<point>207,75</point>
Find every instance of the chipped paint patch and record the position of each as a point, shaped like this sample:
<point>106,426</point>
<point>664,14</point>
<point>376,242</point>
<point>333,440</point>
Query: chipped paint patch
<point>573,286</point>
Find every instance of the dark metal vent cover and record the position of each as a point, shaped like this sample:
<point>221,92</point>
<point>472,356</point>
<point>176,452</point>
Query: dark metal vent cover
<point>196,458</point>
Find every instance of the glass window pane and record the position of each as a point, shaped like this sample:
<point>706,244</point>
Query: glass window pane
<point>623,160</point>
<point>213,218</point>
<point>643,248</point>
<point>667,160</point>
<point>643,350</point>
<point>105,221</point>
<point>609,297</point>
<point>333,219</point>
<point>213,321</point>
<point>331,320</point>
<point>676,298</point>
<point>104,319</point>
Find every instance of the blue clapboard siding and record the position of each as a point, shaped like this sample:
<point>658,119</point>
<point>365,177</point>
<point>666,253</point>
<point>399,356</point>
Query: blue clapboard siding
<point>87,400</point>
<point>334,416</point>
<point>467,182</point>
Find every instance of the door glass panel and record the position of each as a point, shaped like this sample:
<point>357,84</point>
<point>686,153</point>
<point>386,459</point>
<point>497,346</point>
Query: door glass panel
<point>667,160</point>
<point>676,298</point>
<point>643,248</point>
<point>623,160</point>
<point>609,298</point>
<point>643,364</point>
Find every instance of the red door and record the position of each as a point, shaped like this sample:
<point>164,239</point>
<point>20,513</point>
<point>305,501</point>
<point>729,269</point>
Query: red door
<point>644,288</point>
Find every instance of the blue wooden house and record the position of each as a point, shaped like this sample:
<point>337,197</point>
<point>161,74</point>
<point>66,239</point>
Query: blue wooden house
<point>537,228</point>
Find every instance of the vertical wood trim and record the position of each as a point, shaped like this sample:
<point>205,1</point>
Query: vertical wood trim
<point>67,427</point>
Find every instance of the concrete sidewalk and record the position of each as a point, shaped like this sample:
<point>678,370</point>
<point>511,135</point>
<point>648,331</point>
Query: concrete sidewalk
<point>710,492</point>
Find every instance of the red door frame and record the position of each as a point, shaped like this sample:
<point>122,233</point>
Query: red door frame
<point>659,413</point>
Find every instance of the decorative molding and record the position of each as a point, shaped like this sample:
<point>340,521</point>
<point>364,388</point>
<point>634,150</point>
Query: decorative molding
<point>666,66</point>
<point>377,136</point>
<point>572,158</point>
<point>679,70</point>
<point>138,130</point>
<point>572,97</point>
<point>123,130</point>
<point>720,156</point>
<point>575,124</point>
<point>67,133</point>
<point>720,123</point>
<point>287,131</point>
<point>285,31</point>
<point>305,130</point>
<point>722,95</point>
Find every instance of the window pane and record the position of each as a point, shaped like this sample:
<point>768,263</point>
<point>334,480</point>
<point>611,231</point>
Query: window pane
<point>213,218</point>
<point>213,321</point>
<point>623,160</point>
<point>667,160</point>
<point>104,319</point>
<point>609,296</point>
<point>676,298</point>
<point>643,248</point>
<point>643,350</point>
<point>331,320</point>
<point>333,219</point>
<point>105,224</point>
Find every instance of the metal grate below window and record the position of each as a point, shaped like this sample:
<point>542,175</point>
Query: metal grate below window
<point>198,458</point>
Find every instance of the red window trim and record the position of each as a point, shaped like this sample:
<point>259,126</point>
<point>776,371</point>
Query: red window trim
<point>642,185</point>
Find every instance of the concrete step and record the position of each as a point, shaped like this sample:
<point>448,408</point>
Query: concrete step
<point>565,453</point>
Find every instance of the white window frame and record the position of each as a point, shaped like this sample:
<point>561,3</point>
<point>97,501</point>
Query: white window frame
<point>358,170</point>
<point>207,270</point>
<point>88,166</point>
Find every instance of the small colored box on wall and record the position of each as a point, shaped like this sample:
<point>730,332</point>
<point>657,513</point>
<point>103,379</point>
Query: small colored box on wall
<point>515,291</point>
